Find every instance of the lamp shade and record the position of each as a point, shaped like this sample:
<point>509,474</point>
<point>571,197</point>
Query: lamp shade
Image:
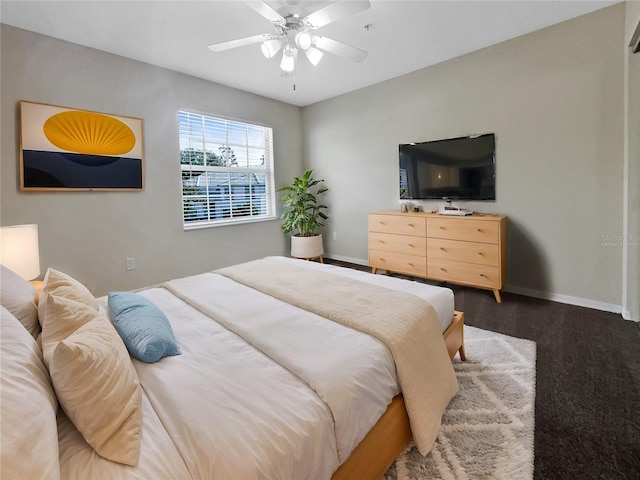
<point>303,40</point>
<point>270,47</point>
<point>19,250</point>
<point>314,55</point>
<point>288,63</point>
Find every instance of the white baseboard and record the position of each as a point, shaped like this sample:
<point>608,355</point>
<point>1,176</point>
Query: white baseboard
<point>568,299</point>
<point>357,261</point>
<point>554,297</point>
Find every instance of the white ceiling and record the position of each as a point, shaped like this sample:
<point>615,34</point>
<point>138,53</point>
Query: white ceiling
<point>406,36</point>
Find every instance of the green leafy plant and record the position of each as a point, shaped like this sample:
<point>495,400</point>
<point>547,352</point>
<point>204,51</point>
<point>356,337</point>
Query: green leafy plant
<point>302,212</point>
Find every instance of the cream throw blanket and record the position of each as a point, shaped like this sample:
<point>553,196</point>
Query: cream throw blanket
<point>406,324</point>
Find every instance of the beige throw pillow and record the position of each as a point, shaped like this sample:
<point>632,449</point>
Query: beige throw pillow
<point>64,316</point>
<point>94,379</point>
<point>63,285</point>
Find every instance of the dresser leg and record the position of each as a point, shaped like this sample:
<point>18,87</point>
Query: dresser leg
<point>496,292</point>
<point>374,270</point>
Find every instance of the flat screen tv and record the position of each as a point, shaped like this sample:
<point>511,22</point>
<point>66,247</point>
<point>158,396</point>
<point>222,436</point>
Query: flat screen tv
<point>461,168</point>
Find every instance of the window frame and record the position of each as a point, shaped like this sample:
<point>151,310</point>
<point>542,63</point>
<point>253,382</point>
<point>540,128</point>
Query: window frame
<point>187,170</point>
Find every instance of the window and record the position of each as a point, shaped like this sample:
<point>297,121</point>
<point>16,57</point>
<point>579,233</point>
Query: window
<point>227,171</point>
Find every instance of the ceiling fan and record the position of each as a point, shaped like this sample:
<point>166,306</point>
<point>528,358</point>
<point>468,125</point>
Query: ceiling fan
<point>296,32</point>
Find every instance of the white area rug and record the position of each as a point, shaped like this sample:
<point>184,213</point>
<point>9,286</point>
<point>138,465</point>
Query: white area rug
<point>487,430</point>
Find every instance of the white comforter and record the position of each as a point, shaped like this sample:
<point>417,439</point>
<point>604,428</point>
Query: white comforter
<point>226,409</point>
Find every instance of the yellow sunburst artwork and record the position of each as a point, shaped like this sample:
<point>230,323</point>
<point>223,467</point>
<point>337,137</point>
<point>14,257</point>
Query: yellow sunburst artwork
<point>71,149</point>
<point>89,133</point>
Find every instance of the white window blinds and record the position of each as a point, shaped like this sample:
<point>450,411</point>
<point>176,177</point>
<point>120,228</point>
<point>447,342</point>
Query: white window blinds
<point>227,171</point>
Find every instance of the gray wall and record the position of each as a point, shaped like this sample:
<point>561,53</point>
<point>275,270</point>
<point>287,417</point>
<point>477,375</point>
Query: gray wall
<point>89,235</point>
<point>555,100</point>
<point>631,244</point>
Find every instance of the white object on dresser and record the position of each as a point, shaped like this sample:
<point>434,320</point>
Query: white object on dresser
<point>456,211</point>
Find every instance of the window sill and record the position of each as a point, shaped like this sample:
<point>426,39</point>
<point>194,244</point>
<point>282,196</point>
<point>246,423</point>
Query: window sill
<point>230,222</point>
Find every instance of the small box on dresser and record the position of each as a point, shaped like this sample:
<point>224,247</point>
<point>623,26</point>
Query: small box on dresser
<point>467,250</point>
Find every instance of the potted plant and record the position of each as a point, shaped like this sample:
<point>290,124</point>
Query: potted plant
<point>303,214</point>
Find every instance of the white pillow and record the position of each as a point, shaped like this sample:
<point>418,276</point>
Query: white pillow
<point>28,407</point>
<point>94,379</point>
<point>20,298</point>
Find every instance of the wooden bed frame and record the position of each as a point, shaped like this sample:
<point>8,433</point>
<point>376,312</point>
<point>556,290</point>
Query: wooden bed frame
<point>384,442</point>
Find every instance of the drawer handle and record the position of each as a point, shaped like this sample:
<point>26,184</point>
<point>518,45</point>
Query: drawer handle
<point>443,249</point>
<point>442,228</point>
<point>482,275</point>
<point>480,230</point>
<point>382,223</point>
<point>411,245</point>
<point>381,241</point>
<point>480,253</point>
<point>443,269</point>
<point>411,264</point>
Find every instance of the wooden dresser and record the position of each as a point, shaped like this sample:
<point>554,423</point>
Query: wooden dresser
<point>469,250</point>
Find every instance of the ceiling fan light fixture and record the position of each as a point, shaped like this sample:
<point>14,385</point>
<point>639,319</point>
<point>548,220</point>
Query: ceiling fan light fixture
<point>304,40</point>
<point>288,63</point>
<point>314,55</point>
<point>294,32</point>
<point>270,47</point>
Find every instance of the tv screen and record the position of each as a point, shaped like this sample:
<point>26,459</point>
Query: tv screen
<point>457,168</point>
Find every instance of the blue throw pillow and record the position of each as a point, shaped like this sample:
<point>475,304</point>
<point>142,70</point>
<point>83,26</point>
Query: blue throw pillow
<point>144,329</point>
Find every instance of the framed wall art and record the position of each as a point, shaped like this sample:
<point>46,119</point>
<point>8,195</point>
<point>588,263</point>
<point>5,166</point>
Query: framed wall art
<point>71,149</point>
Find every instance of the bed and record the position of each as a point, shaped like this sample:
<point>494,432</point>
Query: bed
<point>274,387</point>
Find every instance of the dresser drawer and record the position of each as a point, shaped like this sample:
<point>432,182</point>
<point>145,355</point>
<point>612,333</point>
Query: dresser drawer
<point>401,224</point>
<point>398,262</point>
<point>398,243</point>
<point>465,273</point>
<point>462,229</point>
<point>456,250</point>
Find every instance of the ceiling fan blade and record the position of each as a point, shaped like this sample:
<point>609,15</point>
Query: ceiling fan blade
<point>266,11</point>
<point>241,42</point>
<point>338,48</point>
<point>335,11</point>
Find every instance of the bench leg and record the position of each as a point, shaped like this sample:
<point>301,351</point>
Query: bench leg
<point>463,354</point>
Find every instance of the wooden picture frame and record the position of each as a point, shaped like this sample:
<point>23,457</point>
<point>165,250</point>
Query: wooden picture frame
<point>634,45</point>
<point>69,149</point>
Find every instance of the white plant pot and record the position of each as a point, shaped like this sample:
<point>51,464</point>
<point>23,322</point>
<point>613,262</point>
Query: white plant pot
<point>307,247</point>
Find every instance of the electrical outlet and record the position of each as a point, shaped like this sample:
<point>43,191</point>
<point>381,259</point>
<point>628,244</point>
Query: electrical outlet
<point>131,263</point>
<point>335,236</point>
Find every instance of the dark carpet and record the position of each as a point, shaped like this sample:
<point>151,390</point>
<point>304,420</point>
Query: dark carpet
<point>587,413</point>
